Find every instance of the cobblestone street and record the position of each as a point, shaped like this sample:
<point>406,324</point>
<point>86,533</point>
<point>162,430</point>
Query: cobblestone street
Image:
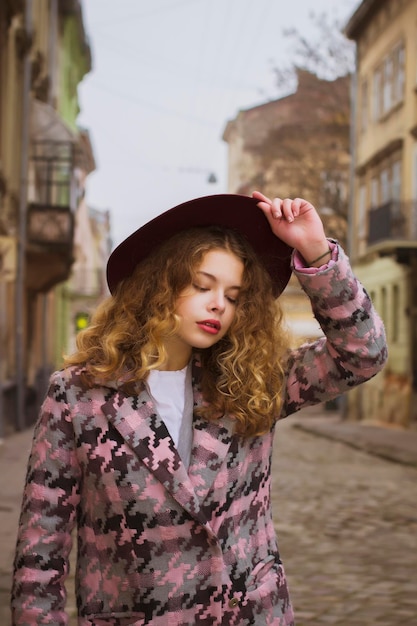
<point>347,527</point>
<point>346,522</point>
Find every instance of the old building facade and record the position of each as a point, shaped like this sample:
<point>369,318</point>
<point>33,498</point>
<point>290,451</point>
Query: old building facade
<point>383,218</point>
<point>297,146</point>
<point>44,159</point>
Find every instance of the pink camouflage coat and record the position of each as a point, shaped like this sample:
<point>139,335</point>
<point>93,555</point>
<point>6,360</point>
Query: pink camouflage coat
<point>157,544</point>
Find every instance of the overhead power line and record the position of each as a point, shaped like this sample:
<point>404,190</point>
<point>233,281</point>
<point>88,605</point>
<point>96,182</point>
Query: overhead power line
<point>157,11</point>
<point>156,108</point>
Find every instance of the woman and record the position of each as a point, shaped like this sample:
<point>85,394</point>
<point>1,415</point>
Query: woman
<point>155,440</point>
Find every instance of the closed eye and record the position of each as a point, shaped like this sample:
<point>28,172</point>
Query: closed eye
<point>202,289</point>
<point>199,288</point>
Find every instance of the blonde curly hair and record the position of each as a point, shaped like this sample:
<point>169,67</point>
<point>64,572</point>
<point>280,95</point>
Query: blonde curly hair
<point>242,374</point>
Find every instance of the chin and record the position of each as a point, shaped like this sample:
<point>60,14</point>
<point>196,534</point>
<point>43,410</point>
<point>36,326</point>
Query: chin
<point>208,343</point>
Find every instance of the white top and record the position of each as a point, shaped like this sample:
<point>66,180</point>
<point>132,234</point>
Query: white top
<point>173,397</point>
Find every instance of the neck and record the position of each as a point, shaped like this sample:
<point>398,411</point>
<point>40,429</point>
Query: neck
<point>167,366</point>
<point>175,361</point>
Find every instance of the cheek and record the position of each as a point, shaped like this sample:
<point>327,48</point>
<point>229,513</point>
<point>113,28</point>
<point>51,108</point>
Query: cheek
<point>182,305</point>
<point>186,308</point>
<point>231,316</point>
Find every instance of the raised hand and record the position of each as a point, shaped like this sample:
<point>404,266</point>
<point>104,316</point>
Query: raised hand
<point>296,222</point>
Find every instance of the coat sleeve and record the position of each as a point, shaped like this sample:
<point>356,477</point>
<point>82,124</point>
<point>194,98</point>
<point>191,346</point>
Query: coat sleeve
<point>353,348</point>
<point>50,498</point>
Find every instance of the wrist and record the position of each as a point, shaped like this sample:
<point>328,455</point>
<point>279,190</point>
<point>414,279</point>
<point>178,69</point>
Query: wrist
<point>321,259</point>
<point>317,253</point>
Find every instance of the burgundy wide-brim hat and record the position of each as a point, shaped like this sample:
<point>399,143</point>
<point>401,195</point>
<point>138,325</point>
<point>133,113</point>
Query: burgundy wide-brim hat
<point>236,212</point>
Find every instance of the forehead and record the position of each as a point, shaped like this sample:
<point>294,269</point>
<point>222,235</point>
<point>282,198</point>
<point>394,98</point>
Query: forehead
<point>221,264</point>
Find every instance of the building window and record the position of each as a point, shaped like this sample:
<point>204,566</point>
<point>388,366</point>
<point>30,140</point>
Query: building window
<point>389,82</point>
<point>385,186</point>
<point>399,73</point>
<point>385,189</point>
<point>377,94</point>
<point>374,192</point>
<point>396,181</point>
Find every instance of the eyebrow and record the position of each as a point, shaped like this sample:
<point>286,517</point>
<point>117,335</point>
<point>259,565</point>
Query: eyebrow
<point>208,275</point>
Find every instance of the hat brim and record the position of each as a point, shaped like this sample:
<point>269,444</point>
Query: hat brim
<point>236,212</point>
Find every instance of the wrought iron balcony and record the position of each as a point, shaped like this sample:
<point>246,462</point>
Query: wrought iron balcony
<point>393,221</point>
<point>51,211</point>
<point>51,215</point>
<point>50,225</point>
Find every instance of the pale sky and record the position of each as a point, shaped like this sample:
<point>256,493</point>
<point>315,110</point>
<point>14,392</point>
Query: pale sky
<point>167,76</point>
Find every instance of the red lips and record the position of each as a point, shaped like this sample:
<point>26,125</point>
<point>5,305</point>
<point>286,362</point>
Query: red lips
<point>210,326</point>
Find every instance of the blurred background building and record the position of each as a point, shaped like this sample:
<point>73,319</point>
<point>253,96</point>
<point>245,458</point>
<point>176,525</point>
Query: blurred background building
<point>344,136</point>
<point>349,144</point>
<point>46,227</point>
<point>383,217</point>
<point>300,145</point>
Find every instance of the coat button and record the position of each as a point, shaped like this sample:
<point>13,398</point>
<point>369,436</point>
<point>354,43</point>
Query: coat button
<point>233,602</point>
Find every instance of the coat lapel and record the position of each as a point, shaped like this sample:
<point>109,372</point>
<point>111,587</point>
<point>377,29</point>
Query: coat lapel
<point>145,433</point>
<point>136,419</point>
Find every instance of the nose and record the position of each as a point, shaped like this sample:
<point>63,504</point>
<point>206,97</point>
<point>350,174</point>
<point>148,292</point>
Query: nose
<point>218,302</point>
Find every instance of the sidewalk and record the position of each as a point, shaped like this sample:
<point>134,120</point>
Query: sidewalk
<point>14,452</point>
<point>388,442</point>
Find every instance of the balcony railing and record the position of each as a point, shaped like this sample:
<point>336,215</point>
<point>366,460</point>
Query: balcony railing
<point>394,220</point>
<point>51,215</point>
<point>50,225</point>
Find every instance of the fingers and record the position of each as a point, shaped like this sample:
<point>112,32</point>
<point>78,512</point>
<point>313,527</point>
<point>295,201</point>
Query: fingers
<point>260,196</point>
<point>278,208</point>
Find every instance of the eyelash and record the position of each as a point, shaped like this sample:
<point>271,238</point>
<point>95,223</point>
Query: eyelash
<point>198,288</point>
<point>204,289</point>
